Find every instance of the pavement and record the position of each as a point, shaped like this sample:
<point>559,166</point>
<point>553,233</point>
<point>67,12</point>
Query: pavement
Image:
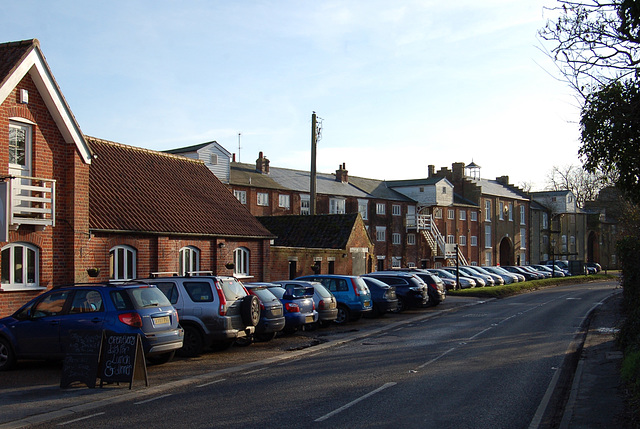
<point>597,397</point>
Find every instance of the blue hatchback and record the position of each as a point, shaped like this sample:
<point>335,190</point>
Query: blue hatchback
<point>41,328</point>
<point>351,292</point>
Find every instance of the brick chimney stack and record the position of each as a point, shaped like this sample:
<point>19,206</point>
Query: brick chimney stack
<point>458,171</point>
<point>342,175</point>
<point>503,180</point>
<point>432,170</point>
<point>262,164</point>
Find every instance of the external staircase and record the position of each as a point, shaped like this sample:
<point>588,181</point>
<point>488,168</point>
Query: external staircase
<point>437,242</point>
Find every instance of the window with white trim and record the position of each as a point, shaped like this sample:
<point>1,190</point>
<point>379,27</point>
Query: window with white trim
<point>462,215</point>
<point>501,211</point>
<point>240,196</point>
<point>545,220</point>
<point>396,262</point>
<point>337,206</point>
<point>487,257</point>
<point>474,240</point>
<point>396,238</point>
<point>381,208</point>
<point>451,239</point>
<point>305,205</point>
<point>396,210</point>
<point>511,212</point>
<point>122,263</point>
<point>263,199</point>
<point>363,208</point>
<point>487,236</point>
<point>523,219</point>
<point>487,210</point>
<point>437,213</point>
<point>473,216</point>
<point>20,266</point>
<point>451,214</point>
<point>214,159</point>
<point>523,238</point>
<point>189,260</point>
<point>381,233</point>
<point>241,261</point>
<point>462,240</point>
<point>411,239</point>
<point>20,147</point>
<point>284,201</point>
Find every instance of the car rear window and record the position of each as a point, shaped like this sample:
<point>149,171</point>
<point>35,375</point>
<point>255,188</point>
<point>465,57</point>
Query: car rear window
<point>199,291</point>
<point>170,290</point>
<point>322,291</point>
<point>145,297</point>
<point>265,295</point>
<point>233,289</point>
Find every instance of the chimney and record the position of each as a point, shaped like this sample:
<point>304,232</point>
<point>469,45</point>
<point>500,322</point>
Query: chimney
<point>233,158</point>
<point>503,180</point>
<point>262,164</point>
<point>458,171</point>
<point>342,175</point>
<point>432,170</point>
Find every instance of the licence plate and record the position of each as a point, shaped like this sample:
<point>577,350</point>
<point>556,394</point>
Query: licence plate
<point>277,312</point>
<point>367,303</point>
<point>308,319</point>
<point>164,320</point>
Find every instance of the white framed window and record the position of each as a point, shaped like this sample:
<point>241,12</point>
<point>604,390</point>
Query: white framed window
<point>240,196</point>
<point>305,204</point>
<point>122,263</point>
<point>545,219</point>
<point>396,262</point>
<point>462,240</point>
<point>189,260</point>
<point>241,262</point>
<point>437,213</point>
<point>381,208</point>
<point>523,219</point>
<point>487,236</point>
<point>396,210</point>
<point>474,216</point>
<point>363,208</point>
<point>487,258</point>
<point>381,233</point>
<point>20,266</point>
<point>396,238</point>
<point>337,205</point>
<point>284,201</point>
<point>523,238</point>
<point>444,190</point>
<point>20,148</point>
<point>511,212</point>
<point>263,199</point>
<point>501,211</point>
<point>487,210</point>
<point>474,240</point>
<point>214,159</point>
<point>451,239</point>
<point>451,214</point>
<point>462,214</point>
<point>411,239</point>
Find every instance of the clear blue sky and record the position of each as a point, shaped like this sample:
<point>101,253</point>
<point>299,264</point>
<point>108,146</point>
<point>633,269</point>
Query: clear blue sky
<point>399,85</point>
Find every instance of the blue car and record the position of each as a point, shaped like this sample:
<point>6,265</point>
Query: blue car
<point>41,328</point>
<point>299,308</point>
<point>351,292</point>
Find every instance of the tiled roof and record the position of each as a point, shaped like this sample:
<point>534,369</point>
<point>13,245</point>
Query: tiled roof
<point>378,189</point>
<point>139,190</point>
<point>493,187</point>
<point>317,232</point>
<point>12,54</point>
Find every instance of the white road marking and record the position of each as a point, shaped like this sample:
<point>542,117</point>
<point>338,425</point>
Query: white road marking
<point>352,403</point>
<point>152,399</point>
<point>211,382</point>
<point>436,358</point>
<point>79,419</point>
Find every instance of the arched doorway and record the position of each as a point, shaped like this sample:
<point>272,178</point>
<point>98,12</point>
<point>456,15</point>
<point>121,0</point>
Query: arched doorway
<point>506,251</point>
<point>593,248</point>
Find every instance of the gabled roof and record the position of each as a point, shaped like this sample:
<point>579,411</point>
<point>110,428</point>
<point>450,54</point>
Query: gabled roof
<point>138,190</point>
<point>428,181</point>
<point>495,188</point>
<point>197,147</point>
<point>378,189</point>
<point>316,232</point>
<point>17,59</point>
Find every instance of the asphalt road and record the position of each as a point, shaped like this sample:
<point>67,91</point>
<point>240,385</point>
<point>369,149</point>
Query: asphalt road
<point>493,365</point>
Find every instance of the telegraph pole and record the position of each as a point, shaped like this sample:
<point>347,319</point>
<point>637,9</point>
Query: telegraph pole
<point>314,143</point>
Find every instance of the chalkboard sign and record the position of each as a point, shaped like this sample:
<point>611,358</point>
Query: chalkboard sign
<point>82,356</point>
<point>122,359</point>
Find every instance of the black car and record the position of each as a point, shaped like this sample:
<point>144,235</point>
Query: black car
<point>383,296</point>
<point>437,290</point>
<point>410,290</point>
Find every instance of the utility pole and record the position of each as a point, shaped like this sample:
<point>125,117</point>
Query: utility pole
<point>316,135</point>
<point>239,134</point>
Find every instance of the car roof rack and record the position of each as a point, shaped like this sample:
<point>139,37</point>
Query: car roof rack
<point>199,273</point>
<point>156,274</point>
<point>100,284</point>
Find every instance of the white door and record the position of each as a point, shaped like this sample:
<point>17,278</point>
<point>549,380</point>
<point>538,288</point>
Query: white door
<point>20,152</point>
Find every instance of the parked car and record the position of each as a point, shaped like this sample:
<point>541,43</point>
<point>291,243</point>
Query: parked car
<point>41,328</point>
<point>352,293</point>
<point>383,296</point>
<point>437,290</point>
<point>480,282</point>
<point>326,303</point>
<point>506,275</point>
<point>498,280</point>
<point>594,265</point>
<point>464,282</point>
<point>214,310</point>
<point>271,316</point>
<point>518,270</point>
<point>299,308</point>
<point>411,291</point>
<point>541,274</point>
<point>488,279</point>
<point>548,269</point>
<point>559,265</point>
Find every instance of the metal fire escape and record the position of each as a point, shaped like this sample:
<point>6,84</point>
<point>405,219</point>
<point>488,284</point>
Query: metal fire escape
<point>437,242</point>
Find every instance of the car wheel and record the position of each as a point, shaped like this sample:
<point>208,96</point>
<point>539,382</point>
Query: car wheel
<point>343,315</point>
<point>265,336</point>
<point>160,359</point>
<point>193,344</point>
<point>251,310</point>
<point>402,305</point>
<point>7,357</point>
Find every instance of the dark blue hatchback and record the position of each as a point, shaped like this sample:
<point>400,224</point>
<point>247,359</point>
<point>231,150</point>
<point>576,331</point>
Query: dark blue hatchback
<point>41,328</point>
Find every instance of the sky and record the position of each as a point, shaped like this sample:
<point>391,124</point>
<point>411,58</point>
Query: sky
<point>398,85</point>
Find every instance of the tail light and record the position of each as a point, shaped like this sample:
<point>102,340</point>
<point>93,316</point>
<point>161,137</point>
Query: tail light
<point>355,287</point>
<point>131,319</point>
<point>292,308</point>
<point>321,305</point>
<point>177,317</point>
<point>222,298</point>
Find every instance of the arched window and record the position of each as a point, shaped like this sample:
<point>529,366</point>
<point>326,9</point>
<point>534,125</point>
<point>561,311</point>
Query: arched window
<point>20,266</point>
<point>122,263</point>
<point>189,260</point>
<point>241,261</point>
